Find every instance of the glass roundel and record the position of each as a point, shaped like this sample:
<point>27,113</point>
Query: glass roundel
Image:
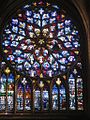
<point>41,40</point>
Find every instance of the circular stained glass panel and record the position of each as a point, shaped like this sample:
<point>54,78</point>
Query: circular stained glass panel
<point>41,41</point>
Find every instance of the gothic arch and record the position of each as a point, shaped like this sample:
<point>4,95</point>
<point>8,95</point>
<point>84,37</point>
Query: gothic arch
<point>84,27</point>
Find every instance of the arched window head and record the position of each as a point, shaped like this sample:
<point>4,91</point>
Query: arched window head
<point>41,40</point>
<point>41,47</point>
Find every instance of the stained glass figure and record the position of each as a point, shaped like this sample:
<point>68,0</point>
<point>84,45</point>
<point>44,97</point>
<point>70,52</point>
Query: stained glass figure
<point>27,97</point>
<point>45,99</point>
<point>62,97</point>
<point>54,98</point>
<point>79,93</point>
<point>10,90</point>
<point>3,92</point>
<point>20,97</point>
<point>72,101</point>
<point>77,71</point>
<point>37,99</point>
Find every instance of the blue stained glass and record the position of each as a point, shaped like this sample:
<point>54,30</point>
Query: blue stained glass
<point>62,98</point>
<point>8,31</point>
<point>76,44</point>
<point>67,30</point>
<point>29,20</point>
<point>79,84</point>
<point>14,43</point>
<point>45,16</point>
<point>53,14</point>
<point>29,13</point>
<point>31,58</point>
<point>15,29</point>
<point>71,58</point>
<point>63,61</point>
<point>74,32</point>
<point>52,20</point>
<point>11,79</point>
<point>27,97</point>
<point>10,97</point>
<point>11,58</point>
<point>44,22</point>
<point>37,52</point>
<point>19,38</point>
<point>19,60</point>
<point>45,52</point>
<point>55,66</point>
<point>6,43</point>
<point>68,44</point>
<point>27,41</point>
<point>45,99</point>
<point>2,92</point>
<point>30,27</point>
<point>15,21</point>
<point>3,78</point>
<point>21,32</point>
<point>22,25</point>
<point>37,100</point>
<point>30,47</point>
<point>36,65</point>
<point>61,38</point>
<point>60,33</point>
<point>55,98</point>
<point>20,92</point>
<point>23,46</point>
<point>60,25</point>
<point>41,11</point>
<point>19,67</point>
<point>46,65</point>
<point>32,73</point>
<point>36,16</point>
<point>56,55</point>
<point>65,53</point>
<point>62,68</point>
<point>52,28</point>
<point>72,101</point>
<point>17,52</point>
<point>40,42</point>
<point>37,22</point>
<point>27,65</point>
<point>50,73</point>
<point>43,40</point>
<point>67,22</point>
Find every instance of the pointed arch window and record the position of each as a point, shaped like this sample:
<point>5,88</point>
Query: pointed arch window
<point>24,95</point>
<point>42,68</point>
<point>7,93</point>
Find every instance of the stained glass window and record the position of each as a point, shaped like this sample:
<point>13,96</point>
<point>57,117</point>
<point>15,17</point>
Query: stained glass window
<point>10,88</point>
<point>20,97</point>
<point>37,99</point>
<point>6,89</point>
<point>24,95</point>
<point>2,92</point>
<point>62,98</point>
<point>55,98</point>
<point>41,69</point>
<point>41,41</point>
<point>45,98</point>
